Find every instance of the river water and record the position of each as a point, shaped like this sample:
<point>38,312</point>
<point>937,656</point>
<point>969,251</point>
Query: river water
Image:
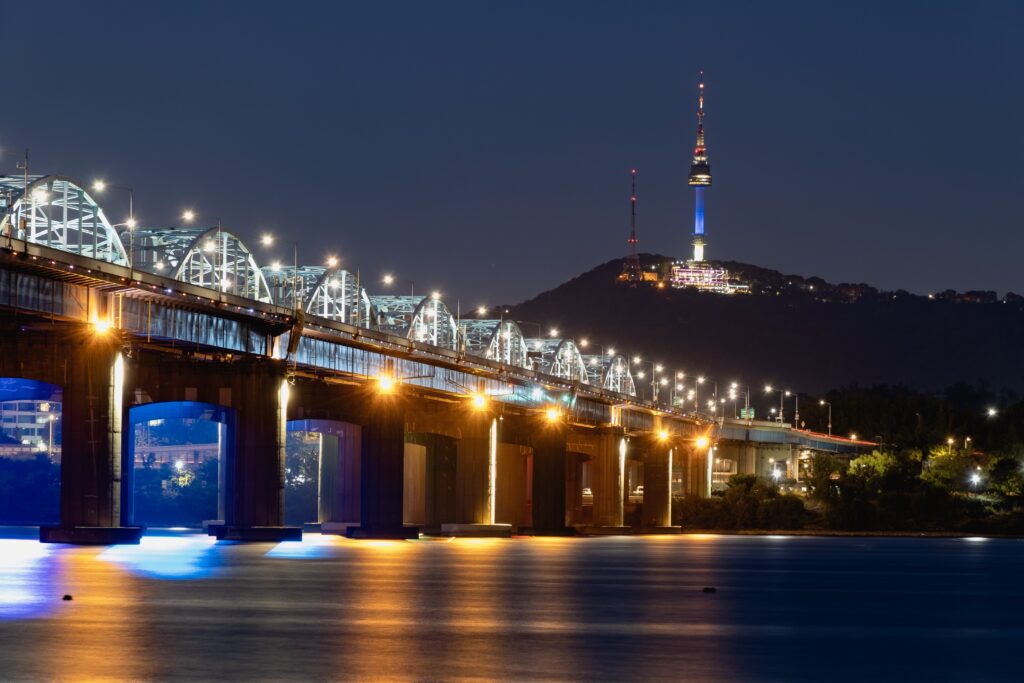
<point>630,608</point>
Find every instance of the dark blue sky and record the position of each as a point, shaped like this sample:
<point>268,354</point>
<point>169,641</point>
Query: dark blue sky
<point>484,149</point>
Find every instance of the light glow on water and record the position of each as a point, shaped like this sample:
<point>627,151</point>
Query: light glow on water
<point>311,547</point>
<point>25,576</point>
<point>167,557</point>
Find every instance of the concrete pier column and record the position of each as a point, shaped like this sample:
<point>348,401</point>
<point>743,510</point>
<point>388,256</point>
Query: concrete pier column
<point>608,478</point>
<point>340,480</point>
<point>437,481</point>
<point>549,482</point>
<point>475,474</point>
<point>657,507</point>
<point>327,482</point>
<point>90,489</point>
<point>254,485</point>
<point>382,472</point>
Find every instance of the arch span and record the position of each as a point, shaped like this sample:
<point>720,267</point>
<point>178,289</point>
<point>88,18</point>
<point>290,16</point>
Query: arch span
<point>560,358</point>
<point>176,458</point>
<point>422,319</point>
<point>30,451</point>
<point>207,257</point>
<point>332,293</point>
<point>55,211</point>
<point>498,340</point>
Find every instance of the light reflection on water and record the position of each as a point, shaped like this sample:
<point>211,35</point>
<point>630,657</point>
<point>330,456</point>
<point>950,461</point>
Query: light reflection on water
<point>167,557</point>
<point>592,608</point>
<point>25,573</point>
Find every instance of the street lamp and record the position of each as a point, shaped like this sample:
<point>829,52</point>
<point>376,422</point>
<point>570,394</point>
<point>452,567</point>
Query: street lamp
<point>100,186</point>
<point>823,402</point>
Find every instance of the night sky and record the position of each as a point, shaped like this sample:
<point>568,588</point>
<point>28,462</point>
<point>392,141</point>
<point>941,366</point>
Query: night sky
<point>483,149</point>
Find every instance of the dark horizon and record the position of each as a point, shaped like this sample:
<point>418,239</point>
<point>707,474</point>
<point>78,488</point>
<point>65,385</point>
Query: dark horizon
<point>484,151</point>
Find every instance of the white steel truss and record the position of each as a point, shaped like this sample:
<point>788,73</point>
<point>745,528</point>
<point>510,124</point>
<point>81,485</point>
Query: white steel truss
<point>498,340</point>
<point>422,319</point>
<point>331,293</point>
<point>208,257</point>
<point>55,211</point>
<point>558,357</point>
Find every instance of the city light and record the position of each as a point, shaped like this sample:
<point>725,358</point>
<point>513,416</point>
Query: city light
<point>479,401</point>
<point>332,261</point>
<point>700,379</point>
<point>553,332</point>
<point>100,326</point>
<point>991,412</point>
<point>853,436</point>
<point>99,185</point>
<point>975,479</point>
<point>636,360</point>
<point>435,295</point>
<point>702,441</point>
<point>179,465</point>
<point>611,351</point>
<point>188,215</point>
<point>267,239</point>
<point>552,414</point>
<point>385,383</point>
<point>388,278</point>
<point>658,368</point>
<point>767,388</point>
<point>584,343</point>
<point>131,223</point>
<point>481,311</point>
<point>275,266</point>
<point>663,435</point>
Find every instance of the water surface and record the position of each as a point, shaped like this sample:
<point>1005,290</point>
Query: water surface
<point>632,608</point>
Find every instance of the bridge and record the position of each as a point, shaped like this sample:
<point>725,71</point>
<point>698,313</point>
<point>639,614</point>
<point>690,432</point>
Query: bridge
<point>427,422</point>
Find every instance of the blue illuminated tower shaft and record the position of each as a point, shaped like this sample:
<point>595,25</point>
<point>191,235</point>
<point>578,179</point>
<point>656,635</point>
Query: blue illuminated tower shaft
<point>698,225</point>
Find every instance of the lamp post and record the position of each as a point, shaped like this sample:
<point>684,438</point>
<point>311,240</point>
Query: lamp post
<point>823,402</point>
<point>783,393</point>
<point>733,388</point>
<point>99,186</point>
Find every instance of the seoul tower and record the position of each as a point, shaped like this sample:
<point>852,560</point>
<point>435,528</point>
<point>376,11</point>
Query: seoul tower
<point>700,176</point>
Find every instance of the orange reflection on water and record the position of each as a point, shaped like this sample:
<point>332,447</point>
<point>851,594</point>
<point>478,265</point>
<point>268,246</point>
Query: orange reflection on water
<point>96,635</point>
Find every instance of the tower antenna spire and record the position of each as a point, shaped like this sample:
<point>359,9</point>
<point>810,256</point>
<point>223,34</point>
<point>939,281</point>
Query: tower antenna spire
<point>631,268</point>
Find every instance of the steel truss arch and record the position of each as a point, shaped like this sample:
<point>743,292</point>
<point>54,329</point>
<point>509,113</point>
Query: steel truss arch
<point>207,257</point>
<point>422,319</point>
<point>498,340</point>
<point>332,293</point>
<point>559,357</point>
<point>57,212</point>
<point>611,373</point>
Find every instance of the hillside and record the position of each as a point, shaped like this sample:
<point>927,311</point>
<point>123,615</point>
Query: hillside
<point>803,333</point>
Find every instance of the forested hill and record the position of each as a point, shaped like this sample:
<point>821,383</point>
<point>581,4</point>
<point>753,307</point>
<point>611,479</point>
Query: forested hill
<point>804,333</point>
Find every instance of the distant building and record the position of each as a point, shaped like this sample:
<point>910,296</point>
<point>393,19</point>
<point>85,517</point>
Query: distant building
<point>29,428</point>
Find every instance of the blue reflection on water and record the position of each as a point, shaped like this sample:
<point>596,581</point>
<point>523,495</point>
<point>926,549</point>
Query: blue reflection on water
<point>26,578</point>
<point>167,557</point>
<point>311,546</point>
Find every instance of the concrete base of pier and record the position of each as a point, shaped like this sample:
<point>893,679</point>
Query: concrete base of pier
<point>257,533</point>
<point>91,535</point>
<point>606,530</point>
<point>402,533</point>
<point>477,530</point>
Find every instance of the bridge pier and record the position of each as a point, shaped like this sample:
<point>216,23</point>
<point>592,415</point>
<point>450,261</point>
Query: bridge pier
<point>382,474</point>
<point>608,482</point>
<point>656,516</point>
<point>550,462</point>
<point>90,493</point>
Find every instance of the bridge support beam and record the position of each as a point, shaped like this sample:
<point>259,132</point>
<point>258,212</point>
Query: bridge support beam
<point>475,479</point>
<point>549,483</point>
<point>381,474</point>
<point>254,485</point>
<point>608,481</point>
<point>90,492</point>
<point>657,506</point>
